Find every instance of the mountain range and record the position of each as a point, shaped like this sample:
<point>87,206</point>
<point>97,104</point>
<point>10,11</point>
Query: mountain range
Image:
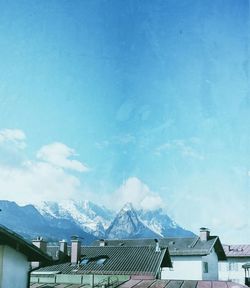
<point>60,220</point>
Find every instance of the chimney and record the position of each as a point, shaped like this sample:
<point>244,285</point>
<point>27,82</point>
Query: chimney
<point>157,246</point>
<point>204,234</point>
<point>75,249</point>
<point>63,247</point>
<point>102,243</point>
<point>41,244</point>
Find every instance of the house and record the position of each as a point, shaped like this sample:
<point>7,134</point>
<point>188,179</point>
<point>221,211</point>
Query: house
<point>231,269</point>
<point>102,265</point>
<point>194,258</point>
<point>15,256</point>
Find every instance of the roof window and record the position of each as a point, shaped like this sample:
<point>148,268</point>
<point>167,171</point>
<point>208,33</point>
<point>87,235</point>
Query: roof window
<point>84,261</point>
<point>101,261</point>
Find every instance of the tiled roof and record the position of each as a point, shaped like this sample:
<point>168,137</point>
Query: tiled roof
<point>12,239</point>
<point>178,284</point>
<point>119,260</point>
<point>153,284</point>
<point>177,246</point>
<point>237,250</point>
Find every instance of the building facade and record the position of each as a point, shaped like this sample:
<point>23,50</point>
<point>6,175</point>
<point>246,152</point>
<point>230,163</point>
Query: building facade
<point>231,269</point>
<point>15,257</point>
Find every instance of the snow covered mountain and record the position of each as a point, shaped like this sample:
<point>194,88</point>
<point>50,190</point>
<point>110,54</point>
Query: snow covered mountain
<point>159,222</point>
<point>87,215</point>
<point>130,223</point>
<point>56,221</point>
<point>28,222</point>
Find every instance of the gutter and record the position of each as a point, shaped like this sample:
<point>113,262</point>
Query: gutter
<point>29,275</point>
<point>34,269</point>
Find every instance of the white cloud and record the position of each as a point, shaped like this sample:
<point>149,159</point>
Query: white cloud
<point>14,136</point>
<point>135,191</point>
<point>58,154</point>
<point>36,181</point>
<point>48,177</point>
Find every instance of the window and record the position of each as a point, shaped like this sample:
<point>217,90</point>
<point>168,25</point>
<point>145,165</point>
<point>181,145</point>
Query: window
<point>101,261</point>
<point>84,261</point>
<point>205,267</point>
<point>232,266</point>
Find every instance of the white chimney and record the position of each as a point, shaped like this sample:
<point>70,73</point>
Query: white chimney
<point>204,234</point>
<point>63,247</point>
<point>157,246</point>
<point>75,250</point>
<point>41,244</point>
<point>102,243</point>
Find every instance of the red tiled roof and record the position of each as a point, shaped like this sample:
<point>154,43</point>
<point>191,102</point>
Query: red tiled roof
<point>154,284</point>
<point>179,284</point>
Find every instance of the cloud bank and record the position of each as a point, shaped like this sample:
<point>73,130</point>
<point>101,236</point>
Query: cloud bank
<point>48,177</point>
<point>139,194</point>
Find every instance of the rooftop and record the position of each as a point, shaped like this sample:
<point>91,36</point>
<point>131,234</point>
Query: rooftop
<point>237,250</point>
<point>115,260</point>
<point>14,240</point>
<point>176,246</point>
<point>133,283</point>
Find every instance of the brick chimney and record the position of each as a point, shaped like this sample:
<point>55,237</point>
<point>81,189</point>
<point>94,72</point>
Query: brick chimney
<point>75,249</point>
<point>204,234</point>
<point>40,243</point>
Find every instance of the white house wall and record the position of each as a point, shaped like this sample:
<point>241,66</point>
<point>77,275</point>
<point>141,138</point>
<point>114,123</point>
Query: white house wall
<point>14,268</point>
<point>232,269</point>
<point>212,265</point>
<point>184,268</point>
<point>191,268</point>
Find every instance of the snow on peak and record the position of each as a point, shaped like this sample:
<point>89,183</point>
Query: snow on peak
<point>127,207</point>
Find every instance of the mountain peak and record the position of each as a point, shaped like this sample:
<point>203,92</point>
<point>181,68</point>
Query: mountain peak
<point>127,224</point>
<point>127,207</point>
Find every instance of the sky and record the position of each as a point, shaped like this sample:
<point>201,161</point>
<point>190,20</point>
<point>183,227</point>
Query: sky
<point>129,101</point>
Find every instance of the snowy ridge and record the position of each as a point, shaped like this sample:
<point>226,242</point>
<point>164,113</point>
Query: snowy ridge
<point>81,212</point>
<point>56,221</point>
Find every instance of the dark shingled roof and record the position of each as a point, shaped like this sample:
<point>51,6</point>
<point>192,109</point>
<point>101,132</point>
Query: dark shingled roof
<point>153,284</point>
<point>176,246</point>
<point>119,260</point>
<point>12,239</point>
<point>237,250</point>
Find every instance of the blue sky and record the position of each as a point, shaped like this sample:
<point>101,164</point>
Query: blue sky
<point>142,101</point>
